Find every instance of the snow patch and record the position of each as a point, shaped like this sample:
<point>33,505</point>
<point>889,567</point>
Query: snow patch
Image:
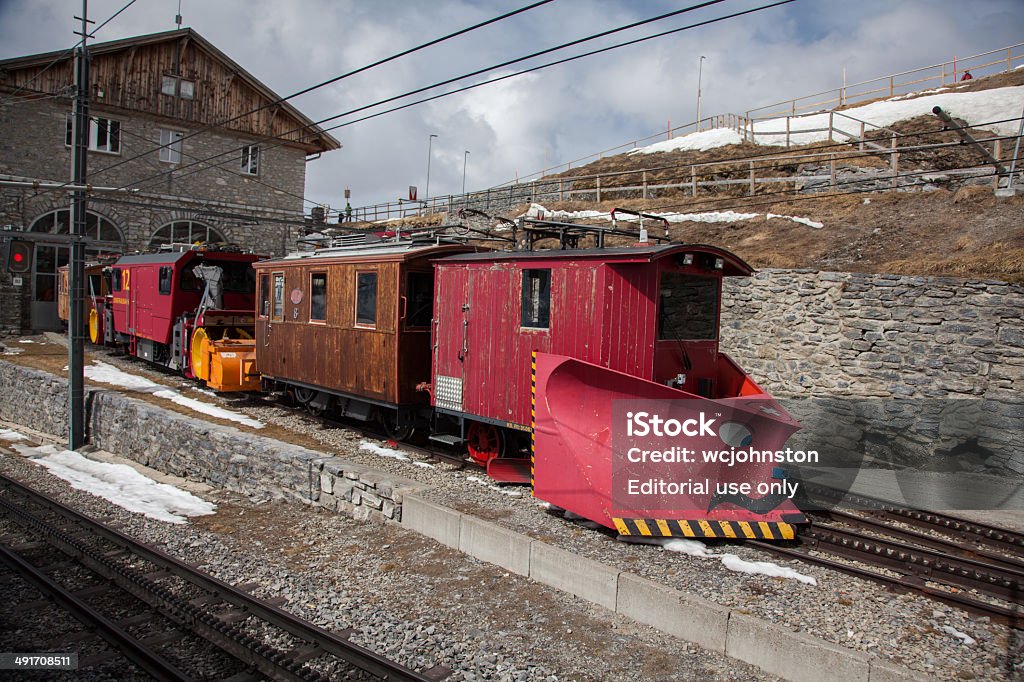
<point>383,452</point>
<point>803,221</point>
<point>698,549</point>
<point>108,374</point>
<point>701,142</point>
<point>967,639</point>
<point>122,485</point>
<point>9,435</point>
<point>539,212</point>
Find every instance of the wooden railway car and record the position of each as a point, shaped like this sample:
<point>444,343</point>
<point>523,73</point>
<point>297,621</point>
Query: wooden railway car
<point>189,310</point>
<point>347,329</point>
<point>96,287</point>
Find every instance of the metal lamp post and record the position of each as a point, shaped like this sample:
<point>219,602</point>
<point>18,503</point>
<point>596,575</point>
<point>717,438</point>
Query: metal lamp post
<point>700,67</point>
<point>426,191</point>
<point>465,157</point>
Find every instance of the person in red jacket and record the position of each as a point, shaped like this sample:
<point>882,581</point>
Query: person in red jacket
<point>967,76</point>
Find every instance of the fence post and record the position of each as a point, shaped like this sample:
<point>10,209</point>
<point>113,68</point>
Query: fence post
<point>561,190</point>
<point>832,169</point>
<point>861,146</point>
<point>751,178</point>
<point>693,180</point>
<point>1009,61</point>
<point>895,164</point>
<point>831,116</point>
<point>599,189</point>
<point>892,88</point>
<point>997,152</point>
<point>645,184</point>
<point>787,132</point>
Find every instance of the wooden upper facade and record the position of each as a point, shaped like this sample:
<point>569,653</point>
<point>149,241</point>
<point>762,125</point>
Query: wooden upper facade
<point>175,75</point>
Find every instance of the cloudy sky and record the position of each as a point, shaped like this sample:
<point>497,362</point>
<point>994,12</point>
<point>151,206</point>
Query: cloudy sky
<point>521,125</point>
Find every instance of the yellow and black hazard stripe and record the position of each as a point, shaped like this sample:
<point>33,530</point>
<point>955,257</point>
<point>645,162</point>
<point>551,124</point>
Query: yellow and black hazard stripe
<point>706,528</point>
<point>533,414</point>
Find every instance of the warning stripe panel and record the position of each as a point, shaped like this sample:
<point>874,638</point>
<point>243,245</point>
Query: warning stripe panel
<point>706,528</point>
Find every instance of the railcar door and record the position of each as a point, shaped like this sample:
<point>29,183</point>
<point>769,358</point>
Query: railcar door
<point>452,303</point>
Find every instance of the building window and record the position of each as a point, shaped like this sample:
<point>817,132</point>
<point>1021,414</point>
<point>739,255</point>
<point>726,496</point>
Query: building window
<point>318,297</point>
<point>104,134</point>
<point>170,145</point>
<point>172,85</point>
<point>251,160</point>
<point>264,295</point>
<point>97,228</point>
<point>186,232</point>
<point>366,298</point>
<point>278,296</point>
<point>536,299</point>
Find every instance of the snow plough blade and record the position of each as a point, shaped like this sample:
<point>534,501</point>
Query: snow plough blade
<point>579,466</point>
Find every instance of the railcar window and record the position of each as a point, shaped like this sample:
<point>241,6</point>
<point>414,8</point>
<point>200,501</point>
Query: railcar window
<point>166,275</point>
<point>318,296</point>
<point>366,298</point>
<point>278,295</point>
<point>419,294</point>
<point>264,295</point>
<point>536,299</point>
<point>115,279</point>
<point>189,281</point>
<point>688,307</point>
<point>239,278</point>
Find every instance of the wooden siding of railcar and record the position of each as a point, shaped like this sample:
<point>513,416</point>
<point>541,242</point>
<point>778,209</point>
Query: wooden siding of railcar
<point>335,355</point>
<point>131,79</point>
<point>63,291</point>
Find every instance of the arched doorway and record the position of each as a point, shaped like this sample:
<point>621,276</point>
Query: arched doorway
<point>186,233</point>
<point>50,254</point>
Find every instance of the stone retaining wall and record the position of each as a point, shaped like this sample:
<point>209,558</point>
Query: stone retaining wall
<point>923,366</point>
<point>192,448</point>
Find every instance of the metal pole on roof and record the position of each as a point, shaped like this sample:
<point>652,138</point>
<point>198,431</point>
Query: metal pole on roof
<point>465,157</point>
<point>426,191</point>
<point>76,264</point>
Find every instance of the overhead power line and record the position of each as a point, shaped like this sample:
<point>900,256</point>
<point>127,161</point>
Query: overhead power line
<point>492,80</point>
<point>334,79</point>
<point>485,70</point>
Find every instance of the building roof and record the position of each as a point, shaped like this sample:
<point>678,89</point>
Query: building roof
<point>326,142</point>
<point>377,251</point>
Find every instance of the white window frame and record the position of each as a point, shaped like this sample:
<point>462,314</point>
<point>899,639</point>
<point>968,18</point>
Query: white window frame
<point>94,134</point>
<point>171,145</point>
<point>251,160</point>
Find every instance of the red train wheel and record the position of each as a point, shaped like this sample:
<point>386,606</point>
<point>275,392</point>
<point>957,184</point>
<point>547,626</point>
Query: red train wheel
<point>484,442</point>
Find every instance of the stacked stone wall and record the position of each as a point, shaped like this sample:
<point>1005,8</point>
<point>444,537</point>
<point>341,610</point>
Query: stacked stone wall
<point>222,456</point>
<point>922,366</point>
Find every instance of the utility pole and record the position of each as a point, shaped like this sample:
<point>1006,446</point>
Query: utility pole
<point>76,266</point>
<point>426,192</point>
<point>700,69</point>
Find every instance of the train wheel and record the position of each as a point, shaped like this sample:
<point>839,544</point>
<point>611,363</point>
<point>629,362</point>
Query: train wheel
<point>484,442</point>
<point>303,395</point>
<point>389,420</point>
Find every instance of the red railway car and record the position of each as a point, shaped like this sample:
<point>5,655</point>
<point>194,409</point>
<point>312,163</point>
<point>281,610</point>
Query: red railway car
<point>631,322</point>
<point>189,310</point>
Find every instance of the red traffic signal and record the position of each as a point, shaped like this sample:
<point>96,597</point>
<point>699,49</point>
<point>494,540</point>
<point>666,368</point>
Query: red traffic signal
<point>19,257</point>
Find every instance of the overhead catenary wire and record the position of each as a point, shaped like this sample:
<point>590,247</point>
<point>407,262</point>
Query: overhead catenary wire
<point>65,54</point>
<point>330,81</point>
<point>493,80</point>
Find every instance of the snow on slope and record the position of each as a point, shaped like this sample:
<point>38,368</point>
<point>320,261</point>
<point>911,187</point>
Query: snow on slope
<point>538,211</point>
<point>998,109</point>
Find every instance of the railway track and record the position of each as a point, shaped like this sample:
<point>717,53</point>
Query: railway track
<point>189,609</point>
<point>969,565</point>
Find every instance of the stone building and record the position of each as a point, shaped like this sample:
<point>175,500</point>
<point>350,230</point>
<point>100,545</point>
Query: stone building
<point>197,149</point>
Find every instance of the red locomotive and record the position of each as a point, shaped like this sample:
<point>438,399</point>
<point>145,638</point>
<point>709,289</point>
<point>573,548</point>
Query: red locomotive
<point>189,310</point>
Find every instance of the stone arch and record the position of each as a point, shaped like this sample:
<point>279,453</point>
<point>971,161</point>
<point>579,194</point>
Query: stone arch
<point>185,230</point>
<point>105,234</point>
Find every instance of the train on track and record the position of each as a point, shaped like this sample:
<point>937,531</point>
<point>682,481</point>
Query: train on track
<point>522,356</point>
